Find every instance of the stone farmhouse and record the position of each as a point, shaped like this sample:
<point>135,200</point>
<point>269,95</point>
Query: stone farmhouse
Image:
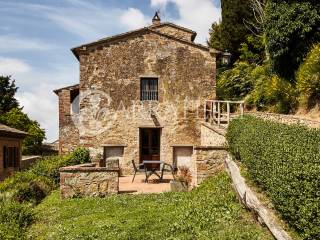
<point>140,97</point>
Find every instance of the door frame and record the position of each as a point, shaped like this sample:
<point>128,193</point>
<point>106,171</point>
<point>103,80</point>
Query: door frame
<point>140,143</point>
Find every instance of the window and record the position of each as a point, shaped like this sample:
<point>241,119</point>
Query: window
<point>149,89</point>
<point>11,157</point>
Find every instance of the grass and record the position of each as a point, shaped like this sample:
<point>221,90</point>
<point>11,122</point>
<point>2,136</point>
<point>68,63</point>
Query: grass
<point>211,211</point>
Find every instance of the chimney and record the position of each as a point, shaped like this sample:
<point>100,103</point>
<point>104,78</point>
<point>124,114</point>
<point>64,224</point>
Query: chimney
<point>156,19</point>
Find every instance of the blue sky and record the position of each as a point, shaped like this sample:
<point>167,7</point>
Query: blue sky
<point>36,37</point>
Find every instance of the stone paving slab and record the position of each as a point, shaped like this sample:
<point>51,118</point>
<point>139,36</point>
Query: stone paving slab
<point>139,186</point>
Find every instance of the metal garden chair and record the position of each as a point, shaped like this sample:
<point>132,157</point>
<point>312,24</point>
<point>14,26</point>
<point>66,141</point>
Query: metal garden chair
<point>137,169</point>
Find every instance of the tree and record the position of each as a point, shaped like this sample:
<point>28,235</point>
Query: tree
<point>233,30</point>
<point>308,79</point>
<point>7,92</point>
<point>17,119</point>
<point>215,40</point>
<point>291,30</point>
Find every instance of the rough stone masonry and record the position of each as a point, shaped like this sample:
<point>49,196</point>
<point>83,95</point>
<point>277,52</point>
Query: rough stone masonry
<point>111,72</point>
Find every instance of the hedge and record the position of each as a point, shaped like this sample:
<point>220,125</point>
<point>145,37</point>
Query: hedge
<point>284,160</point>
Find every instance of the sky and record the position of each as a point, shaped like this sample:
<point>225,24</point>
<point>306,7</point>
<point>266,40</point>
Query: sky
<point>36,37</point>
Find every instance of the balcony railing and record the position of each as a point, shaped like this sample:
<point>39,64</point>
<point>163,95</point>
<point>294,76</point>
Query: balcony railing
<point>219,112</point>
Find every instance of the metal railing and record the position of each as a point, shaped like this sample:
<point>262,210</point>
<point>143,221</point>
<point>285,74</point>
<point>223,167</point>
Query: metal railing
<point>218,112</point>
<point>150,95</point>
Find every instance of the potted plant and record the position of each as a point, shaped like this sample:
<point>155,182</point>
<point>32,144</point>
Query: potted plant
<point>182,181</point>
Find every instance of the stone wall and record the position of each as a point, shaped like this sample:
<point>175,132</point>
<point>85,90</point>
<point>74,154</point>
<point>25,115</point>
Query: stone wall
<point>186,75</point>
<point>68,132</point>
<point>212,135</point>
<point>209,161</point>
<point>89,180</point>
<point>185,35</point>
<point>287,119</point>
<point>28,161</point>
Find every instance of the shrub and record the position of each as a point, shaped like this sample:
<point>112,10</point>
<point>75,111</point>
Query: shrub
<point>35,184</point>
<point>308,79</point>
<point>49,166</point>
<point>33,191</point>
<point>284,161</point>
<point>272,93</point>
<point>31,186</point>
<point>235,83</point>
<point>79,156</point>
<point>14,219</point>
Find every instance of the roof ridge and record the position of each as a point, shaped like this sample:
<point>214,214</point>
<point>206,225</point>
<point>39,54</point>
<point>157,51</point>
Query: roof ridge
<point>151,28</point>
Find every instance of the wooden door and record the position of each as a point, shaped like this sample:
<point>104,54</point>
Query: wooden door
<point>150,144</point>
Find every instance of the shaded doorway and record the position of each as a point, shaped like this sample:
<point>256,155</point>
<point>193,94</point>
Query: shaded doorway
<point>149,144</point>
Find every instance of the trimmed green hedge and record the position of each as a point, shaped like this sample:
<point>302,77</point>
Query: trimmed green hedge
<point>285,162</point>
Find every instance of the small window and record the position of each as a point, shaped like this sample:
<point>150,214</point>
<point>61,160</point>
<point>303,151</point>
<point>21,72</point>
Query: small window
<point>11,157</point>
<point>149,89</point>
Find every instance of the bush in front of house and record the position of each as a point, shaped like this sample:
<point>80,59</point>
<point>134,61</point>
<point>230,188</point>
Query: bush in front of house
<point>36,183</point>
<point>284,160</point>
<point>25,189</point>
<point>14,219</point>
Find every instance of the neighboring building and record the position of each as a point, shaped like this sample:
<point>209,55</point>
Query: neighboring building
<point>147,89</point>
<point>10,150</point>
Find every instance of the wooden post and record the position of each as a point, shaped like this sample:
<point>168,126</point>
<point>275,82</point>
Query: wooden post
<point>228,112</point>
<point>241,109</point>
<point>219,115</point>
<point>213,111</point>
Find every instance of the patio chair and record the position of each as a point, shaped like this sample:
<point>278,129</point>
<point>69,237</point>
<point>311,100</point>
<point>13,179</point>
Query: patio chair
<point>136,169</point>
<point>167,168</point>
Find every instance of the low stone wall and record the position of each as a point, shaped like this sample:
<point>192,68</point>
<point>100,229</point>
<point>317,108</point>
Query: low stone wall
<point>28,161</point>
<point>209,160</point>
<point>89,180</point>
<point>287,119</point>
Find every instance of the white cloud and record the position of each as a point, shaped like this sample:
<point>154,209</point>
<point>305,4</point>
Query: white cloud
<point>133,18</point>
<point>13,44</point>
<point>36,95</point>
<point>43,107</point>
<point>9,66</point>
<point>88,20</point>
<point>195,14</point>
<point>159,3</point>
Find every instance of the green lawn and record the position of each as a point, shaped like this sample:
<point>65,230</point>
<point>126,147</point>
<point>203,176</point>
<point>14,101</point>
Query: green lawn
<point>211,211</point>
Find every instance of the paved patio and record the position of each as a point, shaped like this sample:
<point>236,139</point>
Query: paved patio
<point>139,186</point>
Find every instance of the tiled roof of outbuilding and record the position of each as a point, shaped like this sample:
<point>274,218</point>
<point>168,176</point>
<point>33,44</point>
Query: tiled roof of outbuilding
<point>12,131</point>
